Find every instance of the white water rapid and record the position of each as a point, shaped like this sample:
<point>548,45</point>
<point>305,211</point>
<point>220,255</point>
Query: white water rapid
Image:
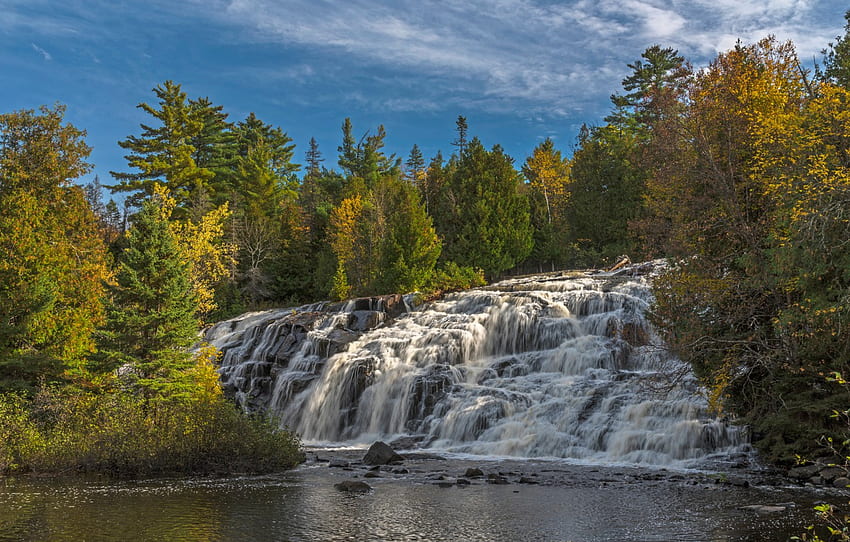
<point>547,366</point>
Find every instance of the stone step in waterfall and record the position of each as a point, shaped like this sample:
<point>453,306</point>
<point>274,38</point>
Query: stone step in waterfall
<point>562,366</point>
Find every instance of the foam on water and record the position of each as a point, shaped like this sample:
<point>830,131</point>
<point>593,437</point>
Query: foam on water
<point>536,367</point>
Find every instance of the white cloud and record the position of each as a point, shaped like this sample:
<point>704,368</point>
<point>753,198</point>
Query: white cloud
<point>42,52</point>
<point>554,55</point>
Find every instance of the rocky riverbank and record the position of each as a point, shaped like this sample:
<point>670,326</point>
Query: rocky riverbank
<point>821,474</point>
<point>383,464</point>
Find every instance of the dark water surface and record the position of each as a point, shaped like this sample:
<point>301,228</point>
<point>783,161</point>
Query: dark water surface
<point>570,503</point>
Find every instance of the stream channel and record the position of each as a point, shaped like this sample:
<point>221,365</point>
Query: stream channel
<point>556,385</point>
<point>543,500</point>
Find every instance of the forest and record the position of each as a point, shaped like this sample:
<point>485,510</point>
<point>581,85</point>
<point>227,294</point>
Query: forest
<point>737,172</point>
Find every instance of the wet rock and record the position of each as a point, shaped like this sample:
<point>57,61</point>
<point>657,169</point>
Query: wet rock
<point>527,480</point>
<point>380,453</point>
<point>353,486</point>
<point>803,473</point>
<point>497,479</point>
<point>400,470</point>
<point>841,482</point>
<point>406,443</point>
<point>473,472</point>
<point>422,455</point>
<point>831,473</point>
<point>738,482</point>
<point>763,509</point>
<point>338,464</point>
<point>444,484</point>
<point>371,474</point>
<point>463,482</point>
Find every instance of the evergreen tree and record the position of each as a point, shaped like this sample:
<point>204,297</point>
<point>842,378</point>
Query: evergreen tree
<point>347,150</point>
<point>253,132</point>
<point>314,158</point>
<point>415,164</point>
<point>364,162</point>
<point>462,129</point>
<point>165,153</point>
<point>151,319</point>
<point>54,263</point>
<point>411,247</point>
<point>484,220</point>
<point>836,62</point>
<point>214,147</point>
<point>605,194</point>
<point>661,71</point>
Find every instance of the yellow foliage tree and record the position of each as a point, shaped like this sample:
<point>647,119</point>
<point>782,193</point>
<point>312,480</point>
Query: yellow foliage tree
<point>202,244</point>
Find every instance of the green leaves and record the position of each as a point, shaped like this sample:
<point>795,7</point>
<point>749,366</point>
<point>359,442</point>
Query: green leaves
<point>53,261</point>
<point>151,318</point>
<point>480,212</point>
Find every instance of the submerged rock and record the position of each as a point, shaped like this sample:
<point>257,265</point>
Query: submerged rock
<point>380,453</point>
<point>764,509</point>
<point>353,486</point>
<point>497,479</point>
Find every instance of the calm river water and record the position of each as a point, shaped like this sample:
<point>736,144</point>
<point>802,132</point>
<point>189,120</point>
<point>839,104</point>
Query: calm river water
<point>568,502</point>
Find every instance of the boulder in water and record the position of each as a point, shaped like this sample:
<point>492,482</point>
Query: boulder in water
<point>497,479</point>
<point>380,453</point>
<point>472,472</point>
<point>353,486</point>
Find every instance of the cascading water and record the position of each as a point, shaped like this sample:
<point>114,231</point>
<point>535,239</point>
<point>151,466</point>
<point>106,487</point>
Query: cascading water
<point>547,366</point>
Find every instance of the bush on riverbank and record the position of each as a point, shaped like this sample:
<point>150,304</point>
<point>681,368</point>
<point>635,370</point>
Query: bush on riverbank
<point>115,434</point>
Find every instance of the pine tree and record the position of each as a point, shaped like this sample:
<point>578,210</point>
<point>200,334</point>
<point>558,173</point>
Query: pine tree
<point>836,60</point>
<point>165,153</point>
<point>314,158</point>
<point>415,163</point>
<point>410,248</point>
<point>253,132</point>
<point>151,320</point>
<point>462,130</point>
<point>215,150</point>
<point>484,219</point>
<point>364,162</point>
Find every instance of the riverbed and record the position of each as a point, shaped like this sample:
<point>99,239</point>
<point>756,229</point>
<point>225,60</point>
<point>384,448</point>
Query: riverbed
<point>425,498</point>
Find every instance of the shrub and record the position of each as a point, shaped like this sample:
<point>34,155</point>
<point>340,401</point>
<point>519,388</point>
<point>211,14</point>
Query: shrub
<point>118,435</point>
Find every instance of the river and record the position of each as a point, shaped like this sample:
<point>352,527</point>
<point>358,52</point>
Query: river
<point>556,385</point>
<point>557,500</point>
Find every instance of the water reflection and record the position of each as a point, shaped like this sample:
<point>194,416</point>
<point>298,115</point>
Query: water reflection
<point>303,506</point>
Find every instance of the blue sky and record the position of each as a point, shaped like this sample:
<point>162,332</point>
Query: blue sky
<point>519,70</point>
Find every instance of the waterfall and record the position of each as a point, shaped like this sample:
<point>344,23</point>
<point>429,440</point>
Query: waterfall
<point>548,366</point>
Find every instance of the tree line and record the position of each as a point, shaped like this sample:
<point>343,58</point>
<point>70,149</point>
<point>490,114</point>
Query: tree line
<point>736,172</point>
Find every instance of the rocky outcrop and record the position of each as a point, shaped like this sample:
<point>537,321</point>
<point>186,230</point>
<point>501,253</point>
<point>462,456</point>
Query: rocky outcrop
<point>821,474</point>
<point>257,346</point>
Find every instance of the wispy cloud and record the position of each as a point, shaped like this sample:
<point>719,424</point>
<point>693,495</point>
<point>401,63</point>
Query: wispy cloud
<point>47,56</point>
<point>529,52</point>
